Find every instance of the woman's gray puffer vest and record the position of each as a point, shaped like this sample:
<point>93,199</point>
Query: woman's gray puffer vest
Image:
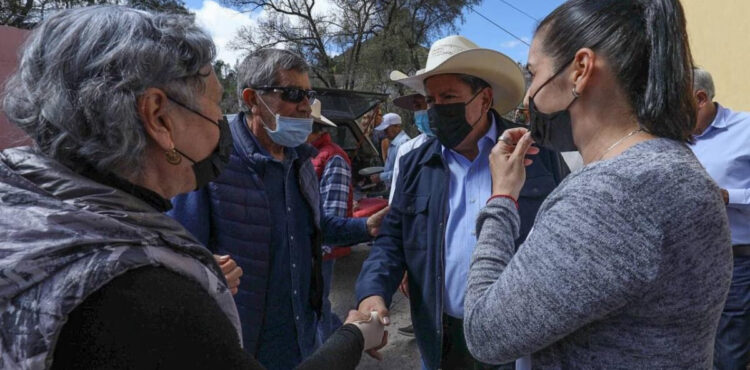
<point>64,236</point>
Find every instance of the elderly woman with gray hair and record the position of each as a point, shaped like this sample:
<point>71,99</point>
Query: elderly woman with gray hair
<point>92,273</point>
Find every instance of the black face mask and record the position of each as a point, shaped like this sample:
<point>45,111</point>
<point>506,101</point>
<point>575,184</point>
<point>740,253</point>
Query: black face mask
<point>552,130</point>
<point>209,168</point>
<point>448,122</point>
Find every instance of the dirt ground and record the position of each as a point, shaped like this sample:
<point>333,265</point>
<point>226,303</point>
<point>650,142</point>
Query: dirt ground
<point>401,351</point>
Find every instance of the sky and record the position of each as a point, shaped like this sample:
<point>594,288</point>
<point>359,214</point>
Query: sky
<point>489,36</point>
<point>222,23</point>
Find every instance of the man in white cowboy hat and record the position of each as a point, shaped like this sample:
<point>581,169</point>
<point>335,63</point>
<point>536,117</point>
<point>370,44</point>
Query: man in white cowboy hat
<point>334,170</point>
<point>440,189</point>
<point>416,103</point>
<point>396,135</point>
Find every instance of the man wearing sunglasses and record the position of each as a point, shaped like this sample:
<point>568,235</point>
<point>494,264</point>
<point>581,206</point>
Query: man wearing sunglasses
<point>265,211</point>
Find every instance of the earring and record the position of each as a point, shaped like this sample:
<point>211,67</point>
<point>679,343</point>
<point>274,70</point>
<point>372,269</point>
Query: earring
<point>575,93</point>
<point>173,157</point>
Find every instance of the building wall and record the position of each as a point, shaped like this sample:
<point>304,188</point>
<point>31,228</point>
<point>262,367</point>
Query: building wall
<point>10,41</point>
<point>719,32</point>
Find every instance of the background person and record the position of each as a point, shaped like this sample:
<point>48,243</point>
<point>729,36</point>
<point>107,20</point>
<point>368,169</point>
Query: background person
<point>368,122</point>
<point>334,170</point>
<point>629,260</point>
<point>416,103</point>
<point>396,136</point>
<point>722,139</point>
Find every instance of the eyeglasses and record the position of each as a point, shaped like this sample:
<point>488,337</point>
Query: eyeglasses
<point>290,94</point>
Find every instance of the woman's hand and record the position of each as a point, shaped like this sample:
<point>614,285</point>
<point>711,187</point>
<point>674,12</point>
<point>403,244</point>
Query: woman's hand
<point>372,330</point>
<point>231,272</point>
<point>508,161</point>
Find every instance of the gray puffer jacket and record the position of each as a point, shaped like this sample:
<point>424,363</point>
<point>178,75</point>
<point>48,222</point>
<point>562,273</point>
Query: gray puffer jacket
<point>64,236</point>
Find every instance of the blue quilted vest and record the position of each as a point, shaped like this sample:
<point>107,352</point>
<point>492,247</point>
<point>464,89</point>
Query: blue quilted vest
<point>232,216</point>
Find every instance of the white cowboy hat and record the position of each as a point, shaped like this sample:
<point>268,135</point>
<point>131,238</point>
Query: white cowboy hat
<point>389,119</point>
<point>403,78</point>
<point>457,54</point>
<point>316,107</point>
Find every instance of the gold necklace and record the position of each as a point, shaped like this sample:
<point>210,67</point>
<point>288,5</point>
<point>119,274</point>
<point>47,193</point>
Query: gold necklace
<point>631,133</point>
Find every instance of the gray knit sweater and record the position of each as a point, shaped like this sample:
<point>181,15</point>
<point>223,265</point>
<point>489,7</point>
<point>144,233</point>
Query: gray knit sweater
<point>627,266</point>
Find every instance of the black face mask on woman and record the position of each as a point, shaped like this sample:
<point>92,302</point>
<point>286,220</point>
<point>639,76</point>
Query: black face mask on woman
<point>448,122</point>
<point>552,130</point>
<point>209,168</point>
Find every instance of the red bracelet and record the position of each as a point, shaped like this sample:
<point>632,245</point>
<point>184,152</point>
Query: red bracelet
<point>504,196</point>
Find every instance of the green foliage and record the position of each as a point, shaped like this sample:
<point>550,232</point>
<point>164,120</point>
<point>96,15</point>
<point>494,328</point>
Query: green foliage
<point>228,79</point>
<point>27,13</point>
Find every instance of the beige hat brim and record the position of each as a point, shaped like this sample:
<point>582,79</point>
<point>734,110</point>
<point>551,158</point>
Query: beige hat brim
<point>500,72</point>
<point>325,121</point>
<point>407,101</point>
<point>400,77</point>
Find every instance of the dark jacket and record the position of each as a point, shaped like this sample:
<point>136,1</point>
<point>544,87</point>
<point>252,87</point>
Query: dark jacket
<point>413,233</point>
<point>64,236</point>
<point>179,327</point>
<point>232,216</point>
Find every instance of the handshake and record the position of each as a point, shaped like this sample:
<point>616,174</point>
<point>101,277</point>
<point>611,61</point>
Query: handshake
<point>373,331</point>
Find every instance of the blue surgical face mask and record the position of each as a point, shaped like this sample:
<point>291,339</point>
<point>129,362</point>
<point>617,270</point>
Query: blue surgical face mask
<point>422,121</point>
<point>290,132</point>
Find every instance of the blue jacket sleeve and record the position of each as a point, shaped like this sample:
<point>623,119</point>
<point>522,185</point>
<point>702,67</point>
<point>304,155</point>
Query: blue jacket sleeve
<point>193,211</point>
<point>343,230</point>
<point>382,271</point>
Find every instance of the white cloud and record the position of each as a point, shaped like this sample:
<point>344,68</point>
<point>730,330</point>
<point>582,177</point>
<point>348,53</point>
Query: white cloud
<point>324,7</point>
<point>515,43</point>
<point>510,44</point>
<point>222,24</point>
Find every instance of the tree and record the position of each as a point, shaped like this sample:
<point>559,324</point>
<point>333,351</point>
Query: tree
<point>228,79</point>
<point>27,13</point>
<point>357,43</point>
<point>292,24</point>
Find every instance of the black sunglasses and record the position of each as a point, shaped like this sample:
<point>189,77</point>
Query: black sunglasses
<point>290,94</point>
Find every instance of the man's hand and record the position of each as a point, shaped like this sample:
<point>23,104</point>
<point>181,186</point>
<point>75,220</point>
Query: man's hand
<point>404,286</point>
<point>725,195</point>
<point>374,221</point>
<point>374,334</point>
<point>231,271</point>
<point>376,303</point>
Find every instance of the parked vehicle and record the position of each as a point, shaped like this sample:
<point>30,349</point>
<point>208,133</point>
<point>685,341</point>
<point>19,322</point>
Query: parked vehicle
<point>344,107</point>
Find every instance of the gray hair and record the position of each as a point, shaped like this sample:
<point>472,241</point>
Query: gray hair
<point>702,80</point>
<point>82,70</point>
<point>262,68</point>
